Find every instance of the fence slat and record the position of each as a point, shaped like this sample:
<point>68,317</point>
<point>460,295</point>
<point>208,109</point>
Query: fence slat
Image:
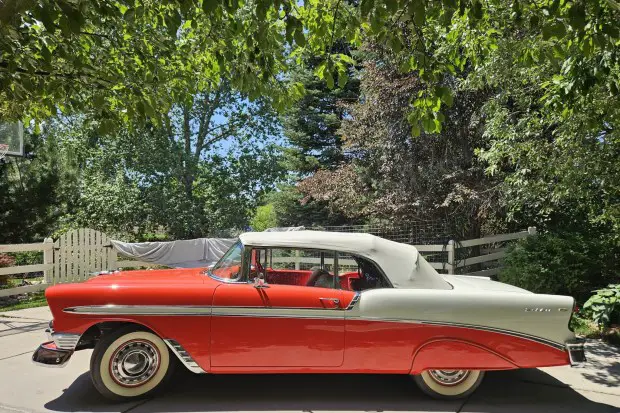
<point>493,239</point>
<point>92,252</point>
<point>62,270</point>
<point>56,262</point>
<point>39,246</point>
<point>439,265</point>
<point>104,253</point>
<point>481,258</point>
<point>48,258</point>
<point>82,252</point>
<point>112,257</point>
<point>485,273</point>
<point>72,264</point>
<point>431,248</point>
<point>22,290</point>
<point>25,268</point>
<point>99,251</point>
<point>296,260</point>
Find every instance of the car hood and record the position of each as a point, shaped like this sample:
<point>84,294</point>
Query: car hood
<point>176,276</point>
<point>470,282</point>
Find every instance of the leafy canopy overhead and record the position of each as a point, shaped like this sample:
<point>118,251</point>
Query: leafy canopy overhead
<point>133,58</point>
<point>128,60</point>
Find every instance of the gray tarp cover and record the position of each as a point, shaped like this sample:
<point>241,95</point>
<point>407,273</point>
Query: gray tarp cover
<point>191,253</point>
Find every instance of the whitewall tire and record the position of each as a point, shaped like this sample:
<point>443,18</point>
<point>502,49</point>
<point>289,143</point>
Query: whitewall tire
<point>449,384</point>
<point>130,363</point>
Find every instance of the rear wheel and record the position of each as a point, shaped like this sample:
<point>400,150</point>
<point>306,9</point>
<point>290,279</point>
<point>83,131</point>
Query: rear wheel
<point>130,363</point>
<point>449,384</point>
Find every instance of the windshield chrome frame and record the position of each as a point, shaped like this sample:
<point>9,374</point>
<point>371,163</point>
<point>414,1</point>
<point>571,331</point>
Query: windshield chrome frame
<point>244,261</point>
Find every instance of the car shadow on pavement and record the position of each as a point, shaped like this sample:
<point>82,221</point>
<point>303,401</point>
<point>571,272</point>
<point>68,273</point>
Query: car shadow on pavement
<point>510,391</point>
<point>600,367</point>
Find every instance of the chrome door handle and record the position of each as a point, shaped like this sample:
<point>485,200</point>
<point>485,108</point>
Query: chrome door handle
<point>333,300</point>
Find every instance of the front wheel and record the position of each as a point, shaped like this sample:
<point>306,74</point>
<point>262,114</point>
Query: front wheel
<point>449,384</point>
<point>130,363</point>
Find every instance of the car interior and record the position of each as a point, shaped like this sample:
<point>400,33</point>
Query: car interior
<point>323,269</point>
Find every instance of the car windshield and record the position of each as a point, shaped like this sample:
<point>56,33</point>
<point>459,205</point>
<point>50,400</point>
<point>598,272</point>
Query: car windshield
<point>229,266</point>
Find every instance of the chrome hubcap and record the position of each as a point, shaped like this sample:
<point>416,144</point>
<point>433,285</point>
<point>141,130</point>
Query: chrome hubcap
<point>134,363</point>
<point>448,377</point>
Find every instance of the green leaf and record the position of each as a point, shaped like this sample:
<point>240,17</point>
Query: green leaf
<point>300,38</point>
<point>48,16</point>
<point>428,124</point>
<point>343,78</point>
<point>445,93</point>
<point>366,6</point>
<point>47,55</point>
<point>476,9</point>
<point>106,126</point>
<point>417,8</point>
<point>329,78</point>
<point>346,59</point>
<point>291,24</point>
<point>577,16</point>
<point>208,6</point>
<point>99,101</point>
<point>556,29</point>
<point>391,5</point>
<point>611,31</point>
<point>415,130</point>
<point>320,70</point>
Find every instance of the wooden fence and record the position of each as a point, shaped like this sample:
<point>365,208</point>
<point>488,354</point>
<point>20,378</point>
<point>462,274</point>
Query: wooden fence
<point>480,252</point>
<point>76,255</point>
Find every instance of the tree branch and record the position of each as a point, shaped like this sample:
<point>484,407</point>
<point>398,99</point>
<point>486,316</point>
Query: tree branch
<point>203,132</point>
<point>5,65</point>
<point>187,135</point>
<point>334,26</point>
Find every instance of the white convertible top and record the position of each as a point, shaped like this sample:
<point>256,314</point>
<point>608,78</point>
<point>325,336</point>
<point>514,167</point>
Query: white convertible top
<point>402,263</point>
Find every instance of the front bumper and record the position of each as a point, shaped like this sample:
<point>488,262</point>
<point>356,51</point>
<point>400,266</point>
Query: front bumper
<point>576,351</point>
<point>49,355</point>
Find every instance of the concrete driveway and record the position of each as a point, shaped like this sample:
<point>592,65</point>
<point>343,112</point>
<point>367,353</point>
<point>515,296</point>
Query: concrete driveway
<point>25,387</point>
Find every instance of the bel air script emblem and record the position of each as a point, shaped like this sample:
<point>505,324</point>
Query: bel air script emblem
<point>537,310</point>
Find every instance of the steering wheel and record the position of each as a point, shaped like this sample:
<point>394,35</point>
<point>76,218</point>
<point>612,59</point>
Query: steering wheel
<point>315,276</point>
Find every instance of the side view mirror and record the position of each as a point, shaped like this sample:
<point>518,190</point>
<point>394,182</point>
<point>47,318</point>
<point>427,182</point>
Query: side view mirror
<point>259,282</point>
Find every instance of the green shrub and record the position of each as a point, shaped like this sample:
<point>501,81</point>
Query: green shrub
<point>569,264</point>
<point>5,261</point>
<point>27,258</point>
<point>604,307</point>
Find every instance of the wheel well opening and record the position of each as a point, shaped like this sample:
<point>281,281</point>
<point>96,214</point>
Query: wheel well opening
<point>94,333</point>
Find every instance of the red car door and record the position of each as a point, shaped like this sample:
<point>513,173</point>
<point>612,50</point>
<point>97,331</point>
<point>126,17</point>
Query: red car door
<point>277,326</point>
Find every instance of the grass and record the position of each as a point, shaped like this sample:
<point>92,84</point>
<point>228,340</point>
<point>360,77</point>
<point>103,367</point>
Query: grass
<point>34,300</point>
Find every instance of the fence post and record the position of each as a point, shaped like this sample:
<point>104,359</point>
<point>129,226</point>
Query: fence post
<point>531,230</point>
<point>451,254</point>
<point>48,258</point>
<point>297,256</point>
<point>113,259</point>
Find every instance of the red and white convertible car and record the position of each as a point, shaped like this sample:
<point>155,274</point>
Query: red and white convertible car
<point>306,302</point>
